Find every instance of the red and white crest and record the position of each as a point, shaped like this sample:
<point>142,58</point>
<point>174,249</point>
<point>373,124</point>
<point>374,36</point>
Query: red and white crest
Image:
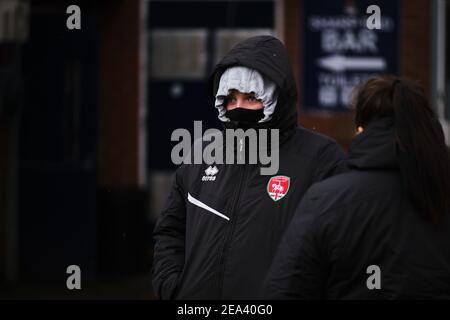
<point>278,187</point>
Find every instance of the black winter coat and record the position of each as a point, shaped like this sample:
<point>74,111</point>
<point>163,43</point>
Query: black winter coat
<point>216,239</point>
<point>359,219</point>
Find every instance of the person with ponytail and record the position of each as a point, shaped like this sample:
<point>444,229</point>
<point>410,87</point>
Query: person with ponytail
<point>382,229</point>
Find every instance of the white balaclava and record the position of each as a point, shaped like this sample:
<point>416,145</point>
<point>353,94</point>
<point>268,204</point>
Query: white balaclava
<point>246,80</point>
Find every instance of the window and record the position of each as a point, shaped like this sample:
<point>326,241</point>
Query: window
<point>187,52</point>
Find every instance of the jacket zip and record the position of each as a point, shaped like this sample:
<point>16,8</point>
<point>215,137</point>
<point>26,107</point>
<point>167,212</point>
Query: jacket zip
<point>233,219</point>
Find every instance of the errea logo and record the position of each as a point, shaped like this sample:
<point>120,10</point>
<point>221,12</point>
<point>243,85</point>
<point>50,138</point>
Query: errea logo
<point>210,174</point>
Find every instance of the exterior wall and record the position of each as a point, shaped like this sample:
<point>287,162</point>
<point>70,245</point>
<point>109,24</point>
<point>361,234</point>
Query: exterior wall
<point>118,143</point>
<point>415,49</point>
<point>122,196</point>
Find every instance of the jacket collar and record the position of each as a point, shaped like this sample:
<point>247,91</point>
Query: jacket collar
<point>374,148</point>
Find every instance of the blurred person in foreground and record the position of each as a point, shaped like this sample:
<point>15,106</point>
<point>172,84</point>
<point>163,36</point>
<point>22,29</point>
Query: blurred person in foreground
<point>387,218</point>
<point>216,237</point>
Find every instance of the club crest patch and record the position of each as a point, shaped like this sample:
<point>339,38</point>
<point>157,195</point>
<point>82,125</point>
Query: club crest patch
<point>278,187</point>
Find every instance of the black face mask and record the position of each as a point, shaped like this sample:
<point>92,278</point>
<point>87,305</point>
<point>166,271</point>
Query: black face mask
<point>245,115</point>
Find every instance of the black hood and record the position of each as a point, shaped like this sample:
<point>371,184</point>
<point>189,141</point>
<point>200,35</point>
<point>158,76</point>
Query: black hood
<point>267,55</point>
<point>374,148</point>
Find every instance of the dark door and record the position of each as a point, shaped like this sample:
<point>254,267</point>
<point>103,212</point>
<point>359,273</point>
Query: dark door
<point>57,187</point>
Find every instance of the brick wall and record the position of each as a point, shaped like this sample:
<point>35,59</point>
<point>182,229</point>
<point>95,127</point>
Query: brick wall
<point>119,95</point>
<point>416,40</point>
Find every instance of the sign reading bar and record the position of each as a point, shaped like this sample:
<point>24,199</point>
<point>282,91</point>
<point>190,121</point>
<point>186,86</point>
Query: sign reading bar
<point>340,51</point>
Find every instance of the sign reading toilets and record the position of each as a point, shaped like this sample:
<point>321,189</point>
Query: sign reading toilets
<point>341,51</point>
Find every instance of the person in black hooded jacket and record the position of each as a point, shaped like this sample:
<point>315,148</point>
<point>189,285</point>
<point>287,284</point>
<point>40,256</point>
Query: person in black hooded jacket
<point>216,237</point>
<point>381,230</point>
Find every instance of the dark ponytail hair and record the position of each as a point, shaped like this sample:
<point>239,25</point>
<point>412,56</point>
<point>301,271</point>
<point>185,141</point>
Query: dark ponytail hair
<point>419,140</point>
